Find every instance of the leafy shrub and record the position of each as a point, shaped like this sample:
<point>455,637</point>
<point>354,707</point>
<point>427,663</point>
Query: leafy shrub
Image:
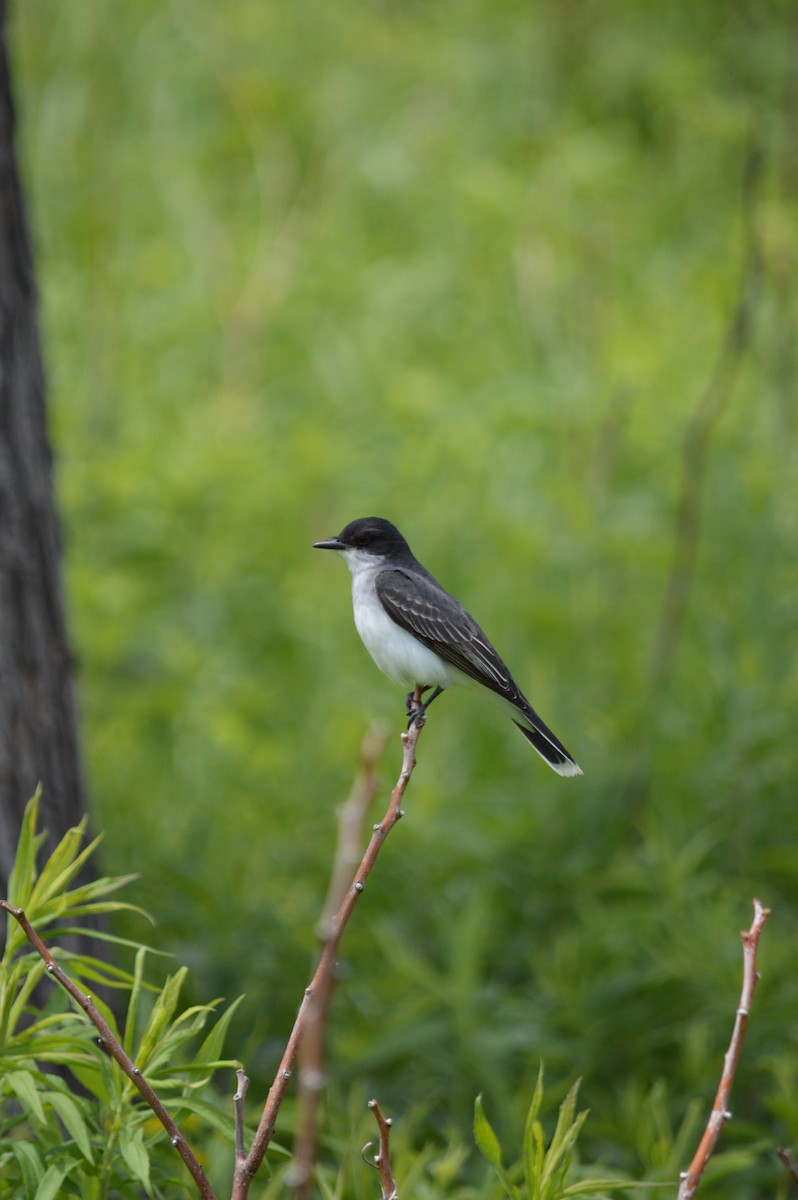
<point>97,1139</point>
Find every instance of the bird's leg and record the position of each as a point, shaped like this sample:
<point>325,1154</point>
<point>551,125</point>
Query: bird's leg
<point>419,711</point>
<point>411,700</point>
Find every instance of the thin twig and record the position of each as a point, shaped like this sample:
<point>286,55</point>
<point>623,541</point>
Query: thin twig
<point>709,409</point>
<point>312,1078</point>
<point>382,1160</point>
<point>247,1167</point>
<point>238,1108</point>
<point>111,1045</point>
<point>351,816</point>
<point>720,1109</point>
<point>705,417</point>
<point>789,1161</point>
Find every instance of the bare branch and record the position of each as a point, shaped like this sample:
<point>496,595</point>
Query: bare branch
<point>351,817</point>
<point>112,1046</point>
<point>705,417</point>
<point>720,1109</point>
<point>247,1167</point>
<point>710,407</point>
<point>789,1161</point>
<point>238,1106</point>
<point>382,1160</point>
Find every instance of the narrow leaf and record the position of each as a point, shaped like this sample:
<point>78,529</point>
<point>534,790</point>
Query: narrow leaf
<point>30,1165</point>
<point>211,1049</point>
<point>532,1159</point>
<point>50,1183</point>
<point>601,1186</point>
<point>135,996</point>
<point>485,1138</point>
<point>488,1146</point>
<point>23,1085</point>
<point>160,1016</point>
<point>131,1145</point>
<point>32,977</point>
<point>73,1121</point>
<point>62,866</point>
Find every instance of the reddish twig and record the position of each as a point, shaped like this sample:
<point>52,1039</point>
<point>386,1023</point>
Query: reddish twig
<point>247,1167</point>
<point>382,1160</point>
<point>787,1158</point>
<point>720,1114</point>
<point>110,1043</point>
<point>351,817</point>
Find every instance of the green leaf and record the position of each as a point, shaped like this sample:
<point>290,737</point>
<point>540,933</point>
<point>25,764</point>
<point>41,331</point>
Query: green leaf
<point>133,1002</point>
<point>533,1139</point>
<point>565,1118</point>
<point>92,1077</point>
<point>489,1148</point>
<point>160,1016</point>
<point>84,895</point>
<point>211,1049</point>
<point>558,1155</point>
<point>62,866</point>
<point>30,1164</point>
<point>106,906</point>
<point>73,1121</point>
<point>588,1186</point>
<point>23,1085</point>
<point>23,873</point>
<point>210,1113</point>
<point>535,1181</point>
<point>485,1138</point>
<point>133,1150</point>
<point>32,977</point>
<point>50,1182</point>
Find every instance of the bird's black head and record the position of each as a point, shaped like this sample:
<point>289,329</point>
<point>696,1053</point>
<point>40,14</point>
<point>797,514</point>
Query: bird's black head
<point>372,535</point>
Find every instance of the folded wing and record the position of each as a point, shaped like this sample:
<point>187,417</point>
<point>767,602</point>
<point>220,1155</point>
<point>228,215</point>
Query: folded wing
<point>424,609</point>
<point>419,605</point>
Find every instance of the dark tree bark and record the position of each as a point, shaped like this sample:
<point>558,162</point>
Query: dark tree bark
<point>38,719</point>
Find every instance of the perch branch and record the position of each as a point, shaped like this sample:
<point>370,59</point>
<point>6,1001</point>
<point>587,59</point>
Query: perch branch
<point>382,1160</point>
<point>351,817</point>
<point>720,1114</point>
<point>247,1167</point>
<point>110,1043</point>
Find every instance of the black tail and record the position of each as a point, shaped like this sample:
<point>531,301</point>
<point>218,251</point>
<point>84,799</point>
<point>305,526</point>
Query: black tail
<point>549,747</point>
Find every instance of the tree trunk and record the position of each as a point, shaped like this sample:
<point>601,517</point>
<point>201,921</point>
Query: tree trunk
<point>38,719</point>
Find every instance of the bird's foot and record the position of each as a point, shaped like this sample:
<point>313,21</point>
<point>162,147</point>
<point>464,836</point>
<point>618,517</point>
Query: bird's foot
<point>413,706</point>
<point>417,711</point>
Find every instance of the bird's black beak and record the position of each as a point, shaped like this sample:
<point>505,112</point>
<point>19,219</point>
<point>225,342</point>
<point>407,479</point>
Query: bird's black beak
<point>331,544</point>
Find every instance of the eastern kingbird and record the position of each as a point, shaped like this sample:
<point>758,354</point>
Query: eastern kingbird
<point>420,636</point>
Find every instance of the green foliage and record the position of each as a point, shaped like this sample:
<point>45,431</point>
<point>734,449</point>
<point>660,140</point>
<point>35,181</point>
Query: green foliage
<point>544,1169</point>
<point>468,265</point>
<point>100,1140</point>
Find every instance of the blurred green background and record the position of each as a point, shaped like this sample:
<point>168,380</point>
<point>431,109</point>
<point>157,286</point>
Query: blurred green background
<point>471,267</point>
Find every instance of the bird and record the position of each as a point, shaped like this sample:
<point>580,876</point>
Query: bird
<point>421,637</point>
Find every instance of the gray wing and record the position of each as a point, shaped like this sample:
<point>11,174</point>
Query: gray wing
<point>421,606</point>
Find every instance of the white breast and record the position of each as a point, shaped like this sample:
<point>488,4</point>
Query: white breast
<point>395,651</point>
